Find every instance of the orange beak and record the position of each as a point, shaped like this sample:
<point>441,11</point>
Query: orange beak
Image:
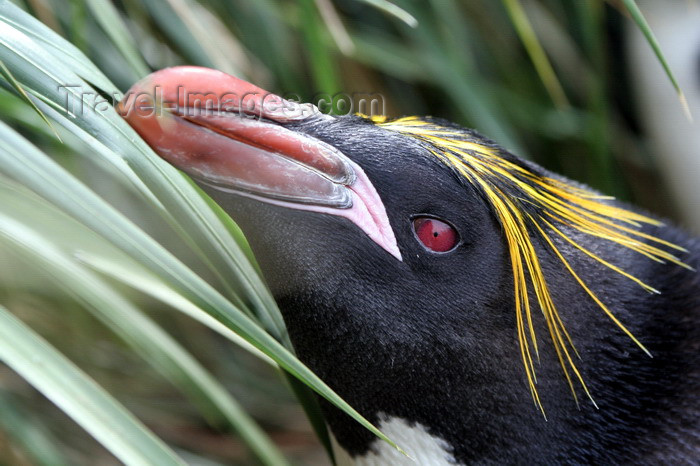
<point>230,135</point>
<point>196,118</point>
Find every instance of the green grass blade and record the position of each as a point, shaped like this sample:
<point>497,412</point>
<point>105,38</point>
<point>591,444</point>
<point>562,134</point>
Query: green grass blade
<point>59,48</point>
<point>79,396</point>
<point>111,22</point>
<point>5,73</point>
<point>149,285</point>
<point>643,26</point>
<point>200,35</point>
<point>119,166</point>
<point>323,67</point>
<point>29,433</point>
<point>141,333</point>
<point>460,80</point>
<point>178,33</point>
<point>388,55</point>
<point>536,52</point>
<point>393,10</point>
<point>312,408</point>
<point>113,161</point>
<point>275,50</point>
<point>335,26</point>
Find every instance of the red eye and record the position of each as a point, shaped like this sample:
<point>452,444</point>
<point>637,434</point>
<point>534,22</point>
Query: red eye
<point>435,234</point>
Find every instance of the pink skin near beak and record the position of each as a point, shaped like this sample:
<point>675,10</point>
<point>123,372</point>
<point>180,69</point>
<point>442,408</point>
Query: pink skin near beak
<point>228,134</point>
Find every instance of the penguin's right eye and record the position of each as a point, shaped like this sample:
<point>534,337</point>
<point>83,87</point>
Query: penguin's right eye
<point>435,235</point>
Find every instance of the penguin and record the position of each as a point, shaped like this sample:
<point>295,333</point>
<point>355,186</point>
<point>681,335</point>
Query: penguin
<point>476,307</point>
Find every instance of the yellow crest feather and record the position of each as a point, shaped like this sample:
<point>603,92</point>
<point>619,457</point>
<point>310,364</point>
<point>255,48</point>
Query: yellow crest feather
<point>527,204</point>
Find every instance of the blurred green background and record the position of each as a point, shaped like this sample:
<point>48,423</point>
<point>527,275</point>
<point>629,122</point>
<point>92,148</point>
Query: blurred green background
<point>550,80</point>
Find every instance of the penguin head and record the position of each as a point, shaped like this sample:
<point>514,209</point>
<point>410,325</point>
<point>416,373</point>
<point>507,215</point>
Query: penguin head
<point>335,208</point>
<point>411,258</point>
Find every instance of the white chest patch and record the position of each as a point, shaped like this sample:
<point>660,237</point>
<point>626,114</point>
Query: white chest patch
<point>424,449</point>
